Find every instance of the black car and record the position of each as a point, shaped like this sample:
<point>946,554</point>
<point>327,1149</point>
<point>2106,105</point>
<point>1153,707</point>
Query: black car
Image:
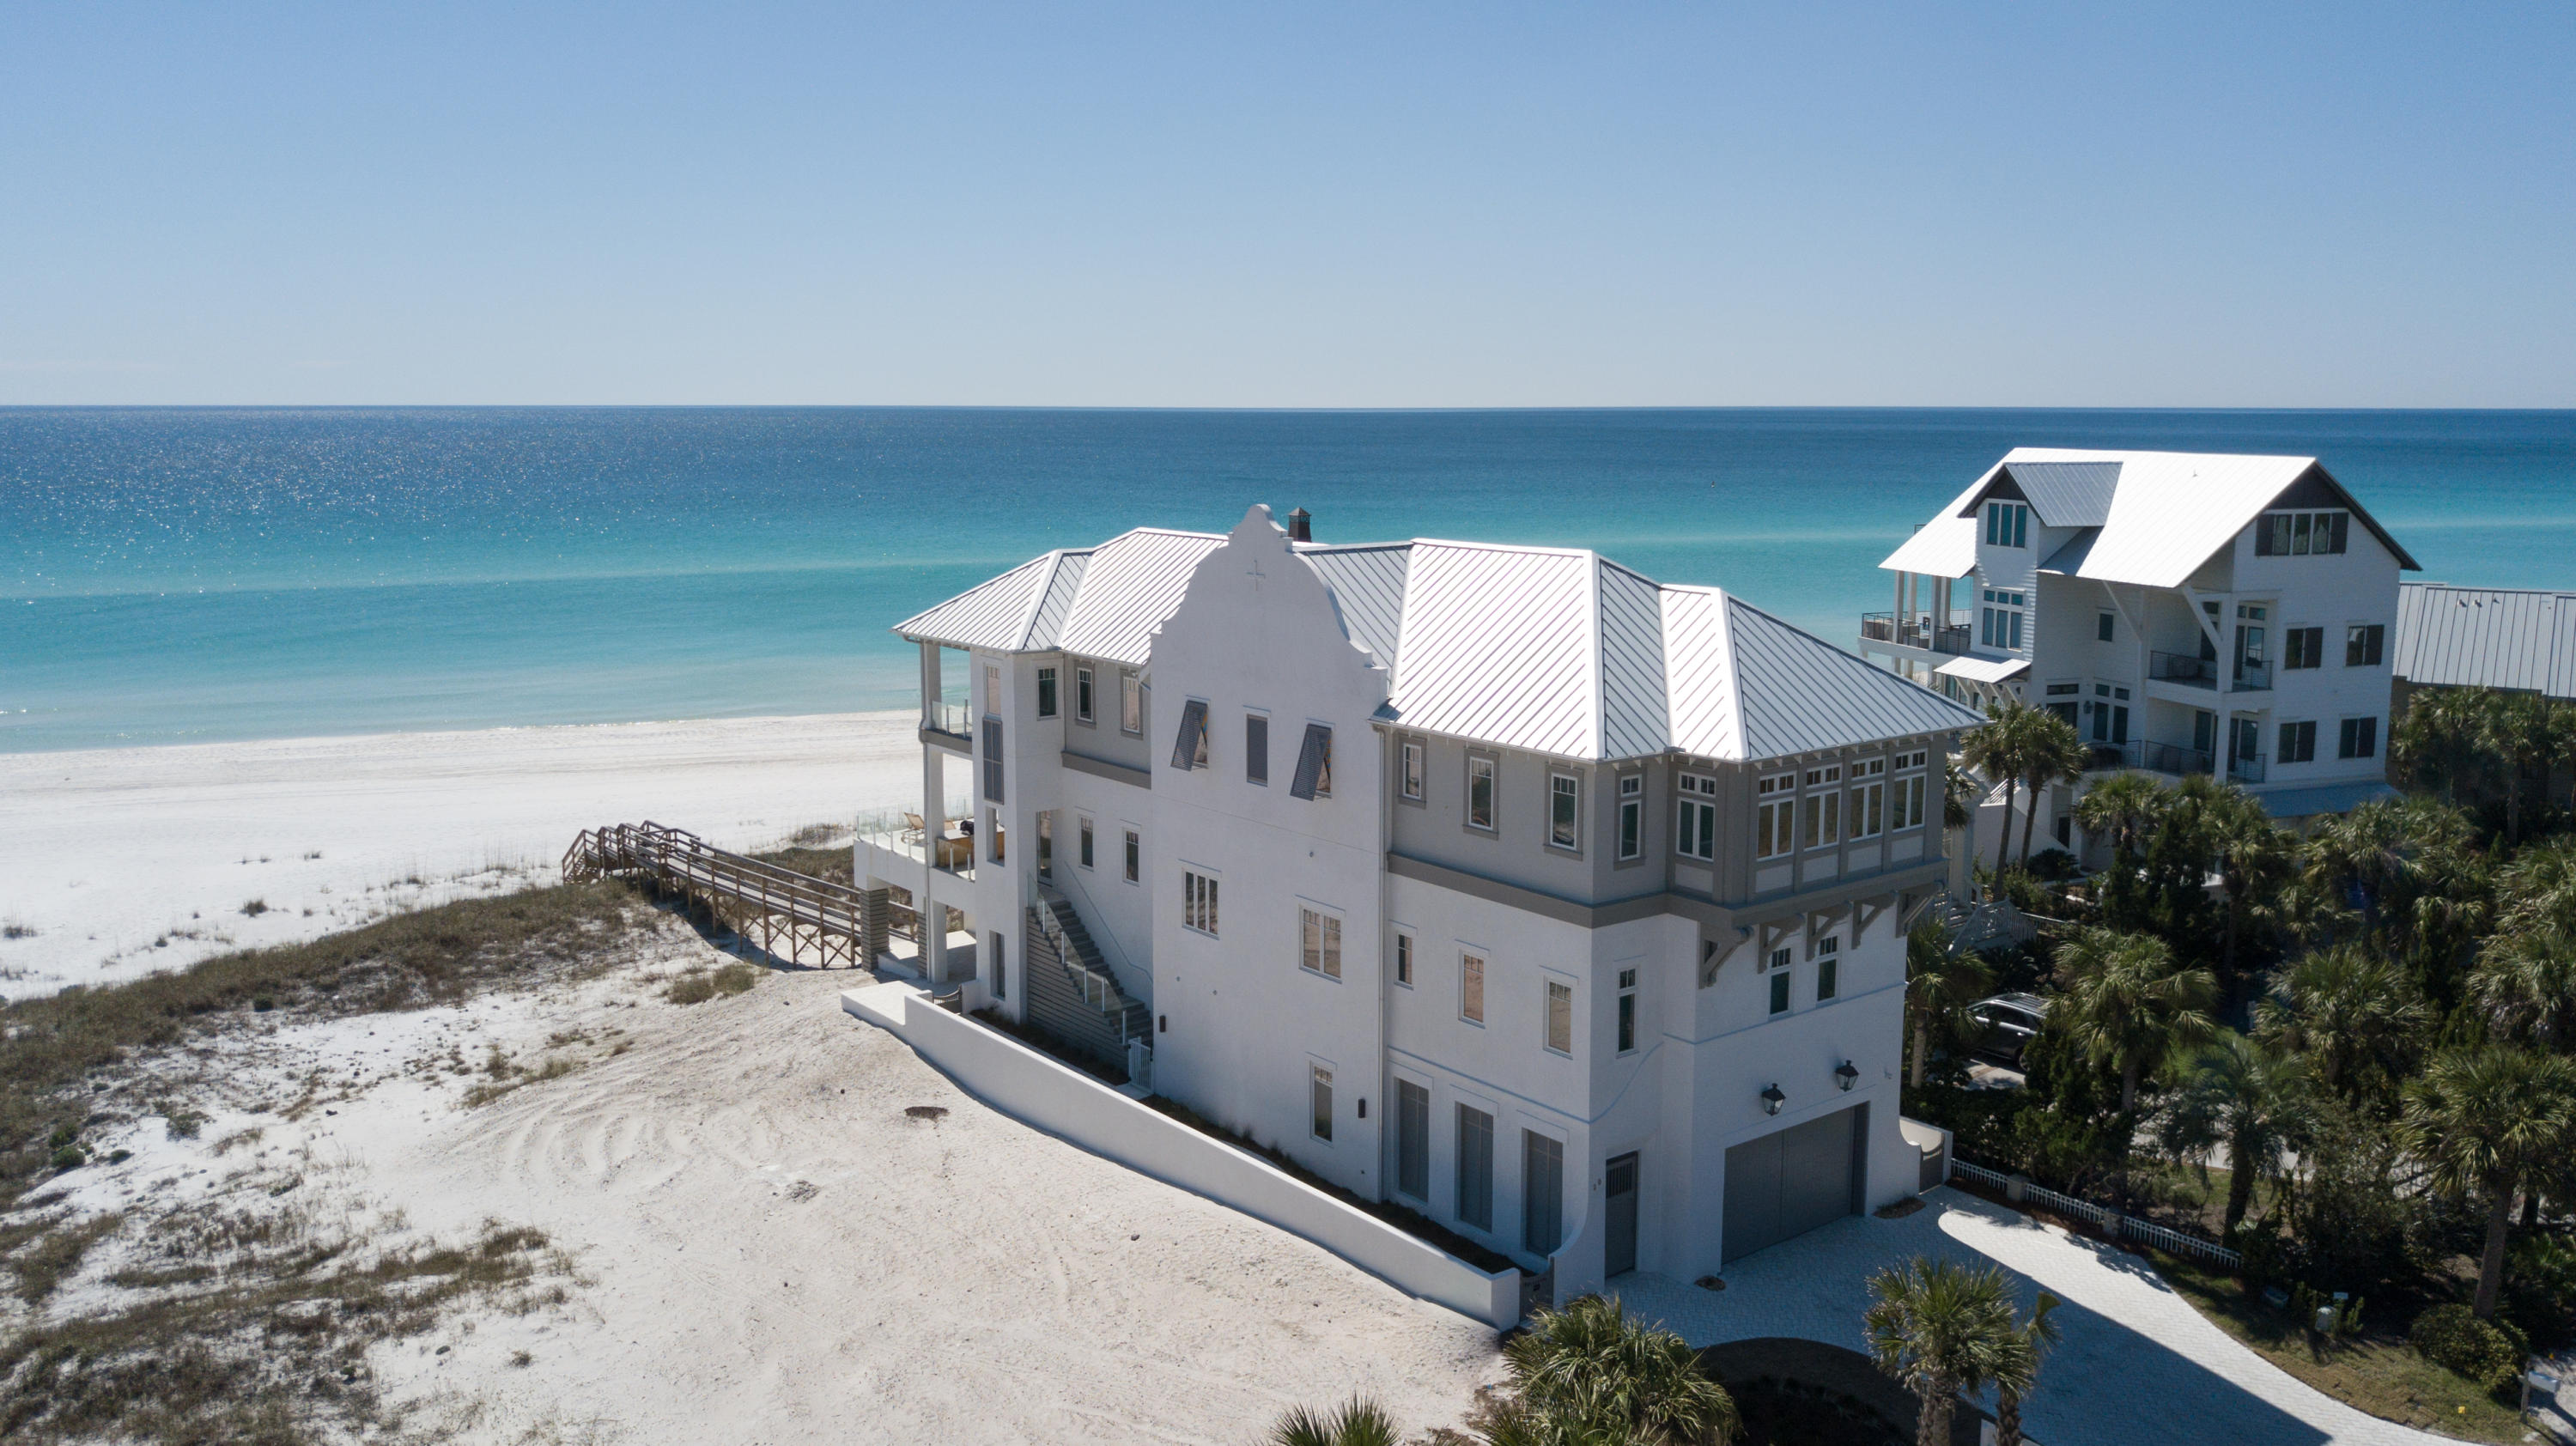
<point>2010,1023</point>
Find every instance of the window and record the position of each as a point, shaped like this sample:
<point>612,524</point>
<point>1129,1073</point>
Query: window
<point>1627,1010</point>
<point>1082,695</point>
<point>1319,1091</point>
<point>1471,988</point>
<point>1824,807</point>
<point>1696,817</point>
<point>1134,850</point>
<point>1775,811</point>
<point>1404,960</point>
<point>1046,692</point>
<point>1412,1140</point>
<point>2007,524</point>
<point>1314,765</point>
<point>1632,815</point>
<point>1082,829</point>
<point>1828,959</point>
<point>1046,844</point>
<point>1189,746</point>
<point>2305,647</point>
<point>1001,982</point>
<point>1475,1167</point>
<point>2363,643</point>
<point>1999,625</point>
<point>2298,742</point>
<point>1779,959</point>
<point>1411,786</point>
<point>1131,702</point>
<point>993,831</point>
<point>2297,534</point>
<point>1564,810</point>
<point>1560,1017</point>
<point>2360,739</point>
<point>1868,814</point>
<point>2106,626</point>
<point>1256,749</point>
<point>1905,801</point>
<point>992,760</point>
<point>1542,1193</point>
<point>1480,792</point>
<point>1780,991</point>
<point>1319,943</point>
<point>1198,902</point>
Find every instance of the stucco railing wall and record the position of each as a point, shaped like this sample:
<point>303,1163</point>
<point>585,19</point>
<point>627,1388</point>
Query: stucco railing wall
<point>1029,1086</point>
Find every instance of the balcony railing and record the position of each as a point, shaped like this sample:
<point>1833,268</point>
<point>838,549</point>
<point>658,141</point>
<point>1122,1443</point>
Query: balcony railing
<point>2183,668</point>
<point>2107,756</point>
<point>2252,678</point>
<point>947,717</point>
<point>2246,770</point>
<point>2173,758</point>
<point>1915,630</point>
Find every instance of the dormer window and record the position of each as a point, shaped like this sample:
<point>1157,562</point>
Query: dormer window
<point>2007,524</point>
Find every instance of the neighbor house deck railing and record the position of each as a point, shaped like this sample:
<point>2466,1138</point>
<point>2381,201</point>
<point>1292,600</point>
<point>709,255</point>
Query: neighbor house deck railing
<point>2111,1222</point>
<point>2173,758</point>
<point>1916,630</point>
<point>2184,668</point>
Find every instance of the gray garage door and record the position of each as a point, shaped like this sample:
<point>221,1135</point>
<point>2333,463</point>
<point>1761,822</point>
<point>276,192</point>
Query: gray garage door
<point>1791,1181</point>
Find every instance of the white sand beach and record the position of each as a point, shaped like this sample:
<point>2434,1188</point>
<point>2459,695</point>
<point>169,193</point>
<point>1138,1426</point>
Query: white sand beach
<point>115,862</point>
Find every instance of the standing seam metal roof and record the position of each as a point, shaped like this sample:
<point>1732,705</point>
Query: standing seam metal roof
<point>2523,641</point>
<point>1550,650</point>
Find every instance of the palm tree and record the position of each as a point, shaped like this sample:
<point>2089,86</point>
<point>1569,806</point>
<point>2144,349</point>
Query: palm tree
<point>1958,794</point>
<point>1589,1373</point>
<point>2436,739</point>
<point>1941,981</point>
<point>2232,1091</point>
<point>2122,808</point>
<point>2000,750</point>
<point>1359,1422</point>
<point>2483,1122</point>
<point>2254,857</point>
<point>2514,729</point>
<point>2538,889</point>
<point>2350,1010</point>
<point>2055,754</point>
<point>2524,985</point>
<point>1941,1328</point>
<point>2129,1004</point>
<point>2019,1372</point>
<point>2363,848</point>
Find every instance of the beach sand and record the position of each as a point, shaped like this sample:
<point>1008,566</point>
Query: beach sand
<point>115,862</point>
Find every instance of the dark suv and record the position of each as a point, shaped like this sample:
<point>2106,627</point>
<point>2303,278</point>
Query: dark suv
<point>2010,1022</point>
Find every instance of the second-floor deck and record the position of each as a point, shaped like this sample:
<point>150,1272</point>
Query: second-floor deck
<point>2193,671</point>
<point>1917,630</point>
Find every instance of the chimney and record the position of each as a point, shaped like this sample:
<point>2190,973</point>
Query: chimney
<point>1301,526</point>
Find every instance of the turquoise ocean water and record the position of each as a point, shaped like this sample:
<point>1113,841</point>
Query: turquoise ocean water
<point>191,575</point>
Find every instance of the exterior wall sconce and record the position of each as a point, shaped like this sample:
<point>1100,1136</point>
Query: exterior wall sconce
<point>1846,1075</point>
<point>1772,1099</point>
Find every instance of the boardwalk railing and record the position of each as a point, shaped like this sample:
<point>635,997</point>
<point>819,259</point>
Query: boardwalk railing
<point>791,916</point>
<point>2112,1222</point>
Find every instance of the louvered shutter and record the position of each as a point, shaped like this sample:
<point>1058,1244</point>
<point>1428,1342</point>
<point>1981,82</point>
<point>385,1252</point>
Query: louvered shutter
<point>1314,764</point>
<point>1185,747</point>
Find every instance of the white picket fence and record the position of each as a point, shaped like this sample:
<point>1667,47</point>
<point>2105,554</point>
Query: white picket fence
<point>2125,1227</point>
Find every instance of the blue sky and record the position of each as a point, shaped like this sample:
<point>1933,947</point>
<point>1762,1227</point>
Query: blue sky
<point>1308,205</point>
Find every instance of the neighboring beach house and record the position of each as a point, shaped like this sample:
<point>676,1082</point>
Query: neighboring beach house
<point>1501,882</point>
<point>2188,613</point>
<point>2516,640</point>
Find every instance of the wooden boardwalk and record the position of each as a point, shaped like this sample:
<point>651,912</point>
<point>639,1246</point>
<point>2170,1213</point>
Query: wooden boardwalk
<point>793,917</point>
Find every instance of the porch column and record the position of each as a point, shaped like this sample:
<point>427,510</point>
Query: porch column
<point>934,824</point>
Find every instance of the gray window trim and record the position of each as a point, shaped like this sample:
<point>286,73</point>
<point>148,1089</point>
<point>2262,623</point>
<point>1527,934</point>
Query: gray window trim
<point>992,759</point>
<point>1418,745</point>
<point>1191,739</point>
<point>1127,676</point>
<point>1621,801</point>
<point>1086,696</point>
<point>1467,803</point>
<point>1574,849</point>
<point>1050,680</point>
<point>1256,752</point>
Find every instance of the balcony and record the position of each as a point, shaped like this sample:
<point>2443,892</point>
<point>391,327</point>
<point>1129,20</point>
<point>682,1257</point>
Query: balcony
<point>2252,677</point>
<point>1914,631</point>
<point>943,716</point>
<point>2245,770</point>
<point>951,853</point>
<point>2173,759</point>
<point>2183,668</point>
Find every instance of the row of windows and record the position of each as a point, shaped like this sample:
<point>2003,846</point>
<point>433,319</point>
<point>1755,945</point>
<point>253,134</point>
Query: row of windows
<point>2355,738</point>
<point>1829,813</point>
<point>2299,534</point>
<point>1314,776</point>
<point>1131,698</point>
<point>1135,846</point>
<point>2365,645</point>
<point>1781,972</point>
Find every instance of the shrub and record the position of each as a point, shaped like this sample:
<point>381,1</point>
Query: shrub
<point>2452,1337</point>
<point>70,1157</point>
<point>2053,866</point>
<point>2540,1289</point>
<point>698,985</point>
<point>255,908</point>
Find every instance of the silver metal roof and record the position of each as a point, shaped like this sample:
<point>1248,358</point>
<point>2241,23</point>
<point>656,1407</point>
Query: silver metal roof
<point>2518,640</point>
<point>1551,650</point>
<point>2168,513</point>
<point>2068,494</point>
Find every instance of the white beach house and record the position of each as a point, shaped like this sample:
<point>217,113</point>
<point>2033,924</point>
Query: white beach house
<point>1501,882</point>
<point>2188,613</point>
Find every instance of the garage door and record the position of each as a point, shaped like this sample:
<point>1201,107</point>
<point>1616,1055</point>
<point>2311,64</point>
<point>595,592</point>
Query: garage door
<point>1791,1181</point>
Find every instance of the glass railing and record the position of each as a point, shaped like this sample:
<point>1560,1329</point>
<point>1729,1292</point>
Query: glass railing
<point>2183,668</point>
<point>2251,678</point>
<point>2174,759</point>
<point>2246,770</point>
<point>947,717</point>
<point>1916,630</point>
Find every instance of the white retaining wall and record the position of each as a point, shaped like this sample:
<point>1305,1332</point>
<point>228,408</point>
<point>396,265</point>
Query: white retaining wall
<point>1029,1086</point>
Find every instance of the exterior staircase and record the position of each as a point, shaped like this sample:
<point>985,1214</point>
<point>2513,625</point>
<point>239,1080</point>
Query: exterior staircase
<point>1072,994</point>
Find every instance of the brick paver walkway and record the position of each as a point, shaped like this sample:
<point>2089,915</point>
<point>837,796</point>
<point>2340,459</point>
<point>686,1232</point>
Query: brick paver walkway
<point>2138,1366</point>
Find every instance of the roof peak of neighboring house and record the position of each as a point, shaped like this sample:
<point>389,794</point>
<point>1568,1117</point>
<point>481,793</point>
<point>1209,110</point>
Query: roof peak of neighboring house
<point>2140,516</point>
<point>1554,650</point>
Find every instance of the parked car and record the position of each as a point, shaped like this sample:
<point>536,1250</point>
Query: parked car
<point>2010,1022</point>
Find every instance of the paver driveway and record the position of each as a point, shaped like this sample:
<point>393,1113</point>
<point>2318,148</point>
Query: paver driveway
<point>2138,1364</point>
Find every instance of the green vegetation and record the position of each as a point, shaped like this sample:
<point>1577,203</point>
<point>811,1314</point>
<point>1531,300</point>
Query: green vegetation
<point>1359,1422</point>
<point>697,986</point>
<point>2388,1000</point>
<point>1945,1329</point>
